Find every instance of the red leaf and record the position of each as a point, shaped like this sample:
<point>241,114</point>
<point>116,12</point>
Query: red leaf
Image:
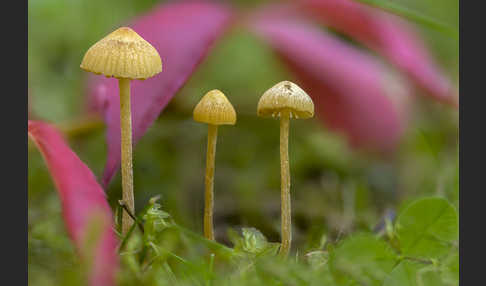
<point>352,91</point>
<point>182,34</point>
<point>388,35</point>
<point>82,200</point>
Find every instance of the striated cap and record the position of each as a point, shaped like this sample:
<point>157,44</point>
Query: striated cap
<point>215,108</point>
<point>285,96</point>
<point>123,54</point>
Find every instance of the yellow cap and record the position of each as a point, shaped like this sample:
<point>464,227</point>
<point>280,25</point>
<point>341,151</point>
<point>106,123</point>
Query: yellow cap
<point>123,54</point>
<point>285,96</point>
<point>214,108</point>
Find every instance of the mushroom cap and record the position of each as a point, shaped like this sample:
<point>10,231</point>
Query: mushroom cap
<point>123,54</point>
<point>285,96</point>
<point>214,108</point>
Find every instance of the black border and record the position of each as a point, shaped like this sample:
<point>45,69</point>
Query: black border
<point>472,116</point>
<point>14,159</point>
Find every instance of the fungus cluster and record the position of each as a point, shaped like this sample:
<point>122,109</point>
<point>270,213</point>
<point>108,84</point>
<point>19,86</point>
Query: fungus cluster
<point>125,55</point>
<point>284,100</point>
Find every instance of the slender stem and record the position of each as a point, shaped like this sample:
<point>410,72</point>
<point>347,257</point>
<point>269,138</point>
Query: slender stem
<point>132,216</point>
<point>285,184</point>
<point>126,152</point>
<point>209,182</point>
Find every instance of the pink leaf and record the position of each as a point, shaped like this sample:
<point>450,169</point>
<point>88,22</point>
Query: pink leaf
<point>182,34</point>
<point>388,35</point>
<point>83,201</point>
<point>352,91</point>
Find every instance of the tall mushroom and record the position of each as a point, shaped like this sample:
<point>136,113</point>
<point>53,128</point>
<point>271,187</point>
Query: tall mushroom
<point>213,109</point>
<point>285,100</point>
<point>125,55</point>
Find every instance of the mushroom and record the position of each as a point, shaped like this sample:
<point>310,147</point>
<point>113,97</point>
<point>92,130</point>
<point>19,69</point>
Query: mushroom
<point>125,55</point>
<point>213,109</point>
<point>285,100</point>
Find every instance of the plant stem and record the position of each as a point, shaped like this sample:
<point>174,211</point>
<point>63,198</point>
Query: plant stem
<point>132,216</point>
<point>209,182</point>
<point>126,152</point>
<point>285,184</point>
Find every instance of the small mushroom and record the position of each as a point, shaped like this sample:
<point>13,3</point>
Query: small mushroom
<point>125,55</point>
<point>214,109</point>
<point>285,100</point>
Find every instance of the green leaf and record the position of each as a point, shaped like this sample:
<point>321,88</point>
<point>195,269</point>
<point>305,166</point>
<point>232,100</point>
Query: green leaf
<point>364,258</point>
<point>450,269</point>
<point>428,276</point>
<point>415,16</point>
<point>404,274</point>
<point>252,241</point>
<point>317,258</point>
<point>427,228</point>
<point>219,249</point>
<point>154,221</point>
<point>409,273</point>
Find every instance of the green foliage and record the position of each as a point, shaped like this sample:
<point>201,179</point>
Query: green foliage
<point>414,16</point>
<point>409,273</point>
<point>154,221</point>
<point>450,269</point>
<point>317,259</point>
<point>404,274</point>
<point>427,228</point>
<point>185,257</point>
<point>252,241</point>
<point>363,258</point>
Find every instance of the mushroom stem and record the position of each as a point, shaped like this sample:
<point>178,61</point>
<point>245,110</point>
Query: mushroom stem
<point>285,183</point>
<point>126,152</point>
<point>209,182</point>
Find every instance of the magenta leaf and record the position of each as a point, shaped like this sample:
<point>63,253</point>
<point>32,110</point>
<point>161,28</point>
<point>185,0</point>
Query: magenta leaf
<point>182,33</point>
<point>352,91</point>
<point>83,203</point>
<point>388,35</point>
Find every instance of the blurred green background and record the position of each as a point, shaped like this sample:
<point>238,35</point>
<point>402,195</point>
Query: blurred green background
<point>335,189</point>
